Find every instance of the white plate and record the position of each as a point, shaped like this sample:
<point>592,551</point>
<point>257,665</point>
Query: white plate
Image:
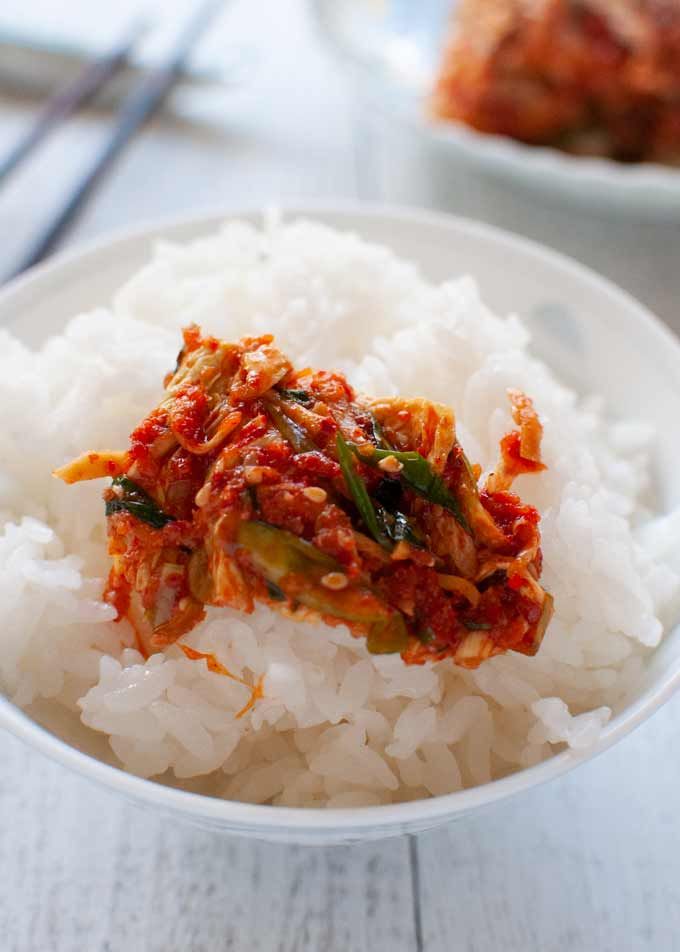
<point>593,334</point>
<point>645,190</point>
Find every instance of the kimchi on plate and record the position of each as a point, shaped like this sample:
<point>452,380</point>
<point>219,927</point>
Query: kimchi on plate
<point>252,481</point>
<point>593,77</point>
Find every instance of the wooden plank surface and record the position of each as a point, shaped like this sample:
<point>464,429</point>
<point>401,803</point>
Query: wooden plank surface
<point>84,870</point>
<point>589,863</point>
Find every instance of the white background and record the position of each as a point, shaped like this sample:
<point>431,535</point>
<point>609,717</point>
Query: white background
<point>590,862</point>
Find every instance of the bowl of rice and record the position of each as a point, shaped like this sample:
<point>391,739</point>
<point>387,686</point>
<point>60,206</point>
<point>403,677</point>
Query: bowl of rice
<point>340,744</point>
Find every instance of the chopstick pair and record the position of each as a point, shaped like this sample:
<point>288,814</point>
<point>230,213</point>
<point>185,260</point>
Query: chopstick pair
<point>137,108</point>
<point>70,98</point>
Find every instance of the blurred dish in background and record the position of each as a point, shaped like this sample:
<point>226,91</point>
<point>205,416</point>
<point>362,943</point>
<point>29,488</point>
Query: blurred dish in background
<point>393,51</point>
<point>592,77</point>
<point>619,218</point>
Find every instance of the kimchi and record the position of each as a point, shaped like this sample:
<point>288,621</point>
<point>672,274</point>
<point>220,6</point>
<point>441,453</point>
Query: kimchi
<point>252,481</point>
<point>595,77</point>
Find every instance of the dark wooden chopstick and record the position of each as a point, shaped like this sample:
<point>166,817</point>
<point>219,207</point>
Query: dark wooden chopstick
<point>139,106</point>
<point>71,97</point>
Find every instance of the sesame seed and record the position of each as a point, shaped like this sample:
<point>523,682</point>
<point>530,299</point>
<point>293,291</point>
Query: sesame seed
<point>253,475</point>
<point>366,449</point>
<point>336,581</point>
<point>390,465</point>
<point>315,494</point>
<point>202,495</point>
<point>401,551</point>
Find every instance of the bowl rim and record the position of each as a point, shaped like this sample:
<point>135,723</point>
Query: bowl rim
<point>265,818</point>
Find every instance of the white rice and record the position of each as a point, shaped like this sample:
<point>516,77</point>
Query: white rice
<point>336,726</point>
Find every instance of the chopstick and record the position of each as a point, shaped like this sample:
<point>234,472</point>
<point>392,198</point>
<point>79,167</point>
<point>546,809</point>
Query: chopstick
<point>139,106</point>
<point>71,97</point>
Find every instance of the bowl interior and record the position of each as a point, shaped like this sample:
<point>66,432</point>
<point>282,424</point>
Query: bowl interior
<point>598,340</point>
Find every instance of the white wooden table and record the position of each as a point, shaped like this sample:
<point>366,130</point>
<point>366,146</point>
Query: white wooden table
<point>590,863</point>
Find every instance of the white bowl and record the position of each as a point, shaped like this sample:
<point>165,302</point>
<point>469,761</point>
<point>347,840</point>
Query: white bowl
<point>595,336</point>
